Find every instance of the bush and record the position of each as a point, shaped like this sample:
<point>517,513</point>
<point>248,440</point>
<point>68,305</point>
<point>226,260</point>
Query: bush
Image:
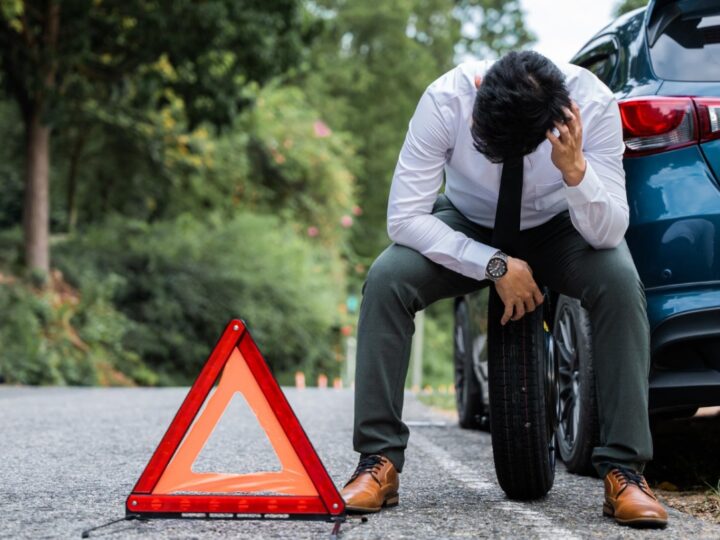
<point>179,283</point>
<point>438,364</point>
<point>51,336</point>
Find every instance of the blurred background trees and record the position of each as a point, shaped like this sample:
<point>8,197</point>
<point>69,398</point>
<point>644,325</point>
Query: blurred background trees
<point>167,165</point>
<point>624,6</point>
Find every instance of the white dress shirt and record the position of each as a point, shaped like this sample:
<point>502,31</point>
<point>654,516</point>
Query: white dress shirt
<point>439,138</point>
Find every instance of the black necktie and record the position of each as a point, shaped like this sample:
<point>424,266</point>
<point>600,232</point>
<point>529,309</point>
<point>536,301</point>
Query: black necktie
<point>507,216</point>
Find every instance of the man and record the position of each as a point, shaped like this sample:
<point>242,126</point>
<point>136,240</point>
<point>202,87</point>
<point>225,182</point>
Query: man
<point>534,189</point>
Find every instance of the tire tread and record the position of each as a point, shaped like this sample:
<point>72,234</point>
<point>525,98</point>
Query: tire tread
<point>517,404</point>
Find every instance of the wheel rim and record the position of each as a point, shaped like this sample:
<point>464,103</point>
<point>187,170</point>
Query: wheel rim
<point>459,362</point>
<point>551,391</point>
<point>569,381</point>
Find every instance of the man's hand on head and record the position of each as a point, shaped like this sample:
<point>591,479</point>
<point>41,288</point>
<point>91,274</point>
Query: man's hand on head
<point>567,154</point>
<point>518,290</point>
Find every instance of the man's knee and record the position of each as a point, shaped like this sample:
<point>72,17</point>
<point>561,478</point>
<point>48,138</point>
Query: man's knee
<point>617,281</point>
<point>398,271</point>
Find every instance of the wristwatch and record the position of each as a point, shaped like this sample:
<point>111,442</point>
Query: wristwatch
<point>496,266</point>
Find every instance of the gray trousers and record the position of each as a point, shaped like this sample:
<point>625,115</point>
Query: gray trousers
<point>402,281</point>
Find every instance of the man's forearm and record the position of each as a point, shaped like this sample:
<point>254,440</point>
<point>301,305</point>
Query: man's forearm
<point>441,244</point>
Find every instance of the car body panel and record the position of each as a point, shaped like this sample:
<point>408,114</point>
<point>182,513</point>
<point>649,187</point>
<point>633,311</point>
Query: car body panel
<point>711,151</point>
<point>674,231</point>
<point>664,303</point>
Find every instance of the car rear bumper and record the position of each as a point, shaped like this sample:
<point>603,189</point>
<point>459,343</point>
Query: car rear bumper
<point>685,345</point>
<point>684,389</point>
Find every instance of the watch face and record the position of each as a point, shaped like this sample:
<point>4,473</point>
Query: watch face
<point>496,267</point>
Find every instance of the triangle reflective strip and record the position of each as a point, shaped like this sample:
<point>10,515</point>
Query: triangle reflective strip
<point>169,486</point>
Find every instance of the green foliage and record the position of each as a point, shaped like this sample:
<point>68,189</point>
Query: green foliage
<point>624,6</point>
<point>275,124</point>
<point>301,162</point>
<point>180,281</point>
<point>10,250</point>
<point>50,336</point>
<point>495,27</point>
<point>279,158</point>
<point>446,402</point>
<point>438,367</point>
<point>714,489</point>
<point>11,180</point>
<point>213,48</point>
<point>77,64</point>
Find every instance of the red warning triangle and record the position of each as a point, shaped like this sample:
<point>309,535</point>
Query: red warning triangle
<point>169,487</point>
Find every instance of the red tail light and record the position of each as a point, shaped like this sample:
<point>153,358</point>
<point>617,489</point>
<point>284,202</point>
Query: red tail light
<point>708,110</point>
<point>657,124</point>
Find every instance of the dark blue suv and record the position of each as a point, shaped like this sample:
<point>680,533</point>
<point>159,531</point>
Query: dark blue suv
<point>663,64</point>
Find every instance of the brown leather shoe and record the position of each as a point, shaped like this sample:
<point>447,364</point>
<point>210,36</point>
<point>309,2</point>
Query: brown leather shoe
<point>629,500</point>
<point>373,485</point>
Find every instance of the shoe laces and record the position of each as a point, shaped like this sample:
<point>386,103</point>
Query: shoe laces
<point>627,476</point>
<point>369,464</point>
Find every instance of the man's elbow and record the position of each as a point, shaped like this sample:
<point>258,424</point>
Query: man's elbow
<point>395,228</point>
<point>613,237</point>
<point>401,230</point>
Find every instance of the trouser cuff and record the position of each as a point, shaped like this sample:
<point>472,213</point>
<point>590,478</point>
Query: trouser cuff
<point>396,457</point>
<point>605,467</point>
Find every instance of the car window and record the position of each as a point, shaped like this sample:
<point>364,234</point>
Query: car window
<point>602,66</point>
<point>688,49</point>
<point>601,57</point>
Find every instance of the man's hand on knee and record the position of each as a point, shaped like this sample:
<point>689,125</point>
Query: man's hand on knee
<point>518,290</point>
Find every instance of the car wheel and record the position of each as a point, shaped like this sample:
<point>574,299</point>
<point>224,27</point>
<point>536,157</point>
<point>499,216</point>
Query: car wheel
<point>468,392</point>
<point>578,427</point>
<point>522,401</point>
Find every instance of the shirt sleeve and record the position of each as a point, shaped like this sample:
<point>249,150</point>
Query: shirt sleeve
<point>415,186</point>
<point>598,204</point>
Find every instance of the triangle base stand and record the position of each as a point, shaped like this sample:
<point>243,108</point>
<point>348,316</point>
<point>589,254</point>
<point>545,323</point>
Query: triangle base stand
<point>337,521</point>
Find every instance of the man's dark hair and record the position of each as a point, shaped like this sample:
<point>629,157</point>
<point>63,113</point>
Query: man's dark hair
<point>519,99</point>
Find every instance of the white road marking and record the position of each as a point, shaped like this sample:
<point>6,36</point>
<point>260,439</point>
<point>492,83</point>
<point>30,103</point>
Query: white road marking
<point>490,491</point>
<point>425,423</point>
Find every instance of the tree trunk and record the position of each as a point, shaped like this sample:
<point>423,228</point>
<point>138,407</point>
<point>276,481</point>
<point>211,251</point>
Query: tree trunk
<point>36,214</point>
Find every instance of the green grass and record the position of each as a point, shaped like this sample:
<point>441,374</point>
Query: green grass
<point>715,490</point>
<point>441,401</point>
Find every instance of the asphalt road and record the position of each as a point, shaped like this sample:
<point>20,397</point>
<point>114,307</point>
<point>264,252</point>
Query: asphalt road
<point>69,457</point>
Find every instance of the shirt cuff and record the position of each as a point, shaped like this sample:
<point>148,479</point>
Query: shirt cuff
<point>480,255</point>
<point>588,190</point>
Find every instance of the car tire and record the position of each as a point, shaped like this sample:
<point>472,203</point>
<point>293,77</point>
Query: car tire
<point>578,431</point>
<point>522,401</point>
<point>468,393</point>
